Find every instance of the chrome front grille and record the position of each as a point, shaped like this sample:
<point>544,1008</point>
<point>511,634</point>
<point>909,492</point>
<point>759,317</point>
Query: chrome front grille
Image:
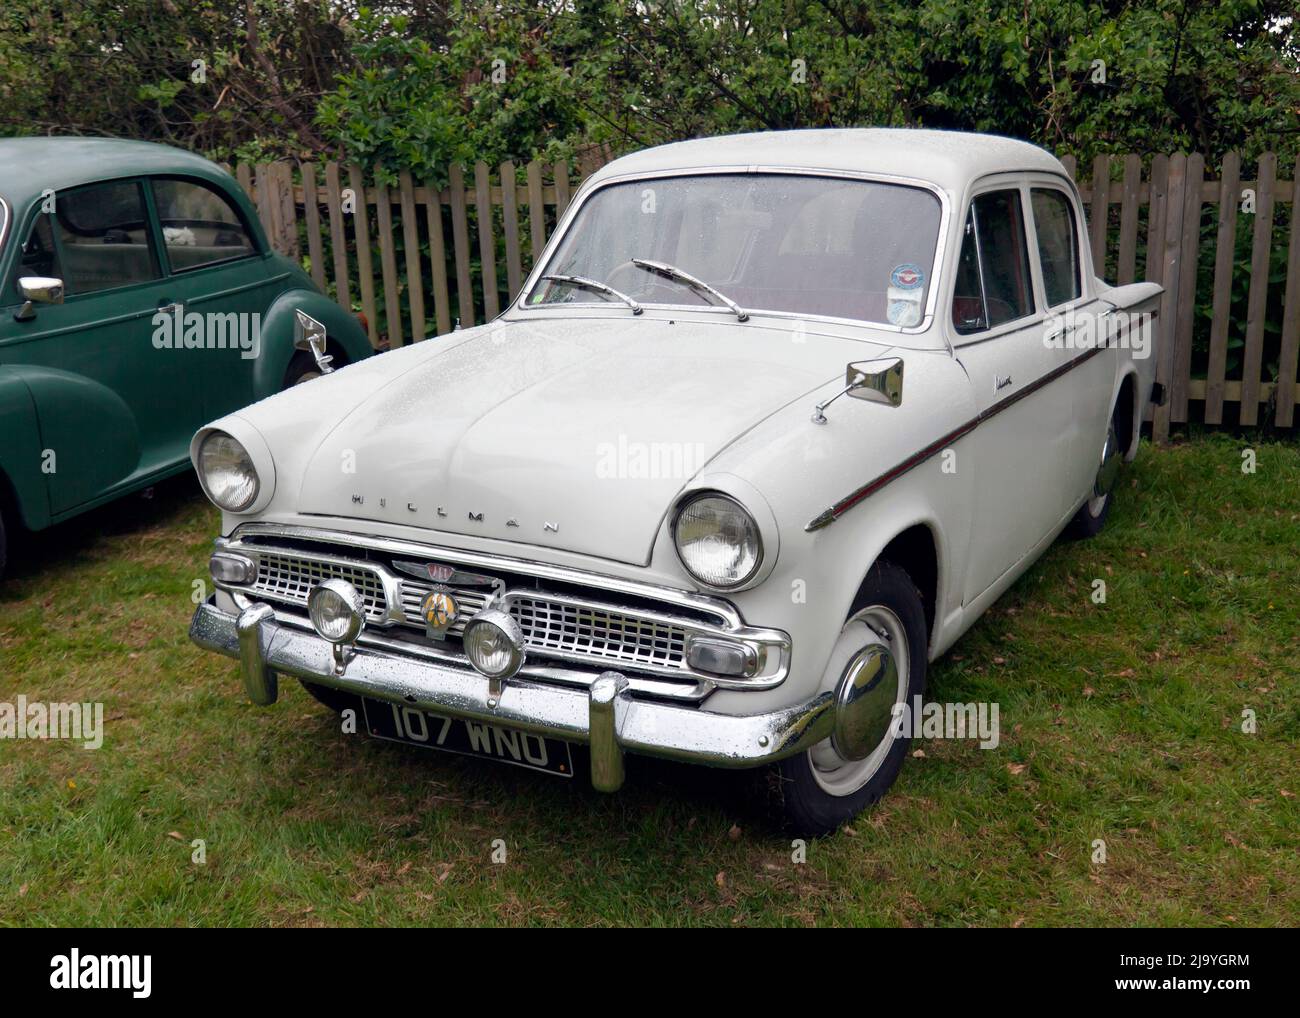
<point>553,626</point>
<point>572,629</point>
<point>575,623</point>
<point>290,578</point>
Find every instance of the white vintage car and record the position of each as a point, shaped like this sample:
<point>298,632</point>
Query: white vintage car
<point>771,423</point>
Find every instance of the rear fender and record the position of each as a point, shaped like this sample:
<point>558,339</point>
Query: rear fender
<point>20,450</point>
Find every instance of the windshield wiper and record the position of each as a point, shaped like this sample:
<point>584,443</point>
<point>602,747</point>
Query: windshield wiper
<point>583,283</point>
<point>681,276</point>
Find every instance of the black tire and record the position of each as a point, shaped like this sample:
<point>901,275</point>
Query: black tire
<point>1090,520</point>
<point>302,368</point>
<point>334,699</point>
<point>793,795</point>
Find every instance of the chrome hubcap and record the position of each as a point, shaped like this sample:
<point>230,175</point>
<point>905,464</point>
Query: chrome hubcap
<point>870,685</point>
<point>1107,471</point>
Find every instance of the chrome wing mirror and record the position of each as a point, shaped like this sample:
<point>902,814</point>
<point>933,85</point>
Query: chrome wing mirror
<point>309,335</point>
<point>877,381</point>
<point>37,290</point>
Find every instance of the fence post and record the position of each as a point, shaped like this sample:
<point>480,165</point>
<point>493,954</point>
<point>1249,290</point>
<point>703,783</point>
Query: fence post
<point>311,212</point>
<point>1170,279</point>
<point>1257,300</point>
<point>536,210</point>
<point>510,226</point>
<point>460,239</point>
<point>1290,348</point>
<point>1100,212</point>
<point>1225,247</point>
<point>438,260</point>
<point>411,242</point>
<point>1128,220</point>
<point>1181,360</point>
<point>365,268</point>
<point>338,235</point>
<point>487,248</point>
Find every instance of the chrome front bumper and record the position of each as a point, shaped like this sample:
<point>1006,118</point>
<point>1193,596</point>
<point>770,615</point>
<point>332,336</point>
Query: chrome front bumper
<point>604,715</point>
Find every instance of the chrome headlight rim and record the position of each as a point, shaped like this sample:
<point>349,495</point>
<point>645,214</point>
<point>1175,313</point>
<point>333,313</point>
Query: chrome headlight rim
<point>759,552</point>
<point>244,505</point>
<point>350,607</point>
<point>509,632</point>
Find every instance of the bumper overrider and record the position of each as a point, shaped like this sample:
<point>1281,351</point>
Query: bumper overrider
<point>606,715</point>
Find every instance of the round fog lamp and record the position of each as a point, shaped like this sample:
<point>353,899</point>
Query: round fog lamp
<point>337,611</point>
<point>494,644</point>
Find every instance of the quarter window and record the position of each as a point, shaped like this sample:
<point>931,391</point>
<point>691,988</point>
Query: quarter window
<point>199,225</point>
<point>992,283</point>
<point>103,237</point>
<point>1058,247</point>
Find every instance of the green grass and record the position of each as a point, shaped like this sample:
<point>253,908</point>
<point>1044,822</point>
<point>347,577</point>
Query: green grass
<point>1119,721</point>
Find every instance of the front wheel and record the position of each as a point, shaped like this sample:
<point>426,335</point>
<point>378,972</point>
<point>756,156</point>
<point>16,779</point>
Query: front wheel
<point>878,663</point>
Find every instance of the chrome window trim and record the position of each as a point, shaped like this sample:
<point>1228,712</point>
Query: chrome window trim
<point>584,195</point>
<point>6,217</point>
<point>733,627</point>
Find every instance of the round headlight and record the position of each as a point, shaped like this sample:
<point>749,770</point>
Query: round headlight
<point>717,541</point>
<point>227,472</point>
<point>494,644</point>
<point>337,611</point>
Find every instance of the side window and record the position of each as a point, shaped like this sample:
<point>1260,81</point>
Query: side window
<point>1058,246</point>
<point>993,283</point>
<point>103,237</point>
<point>199,225</point>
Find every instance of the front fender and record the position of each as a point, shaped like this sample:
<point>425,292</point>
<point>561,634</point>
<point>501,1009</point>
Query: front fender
<point>20,449</point>
<point>347,341</point>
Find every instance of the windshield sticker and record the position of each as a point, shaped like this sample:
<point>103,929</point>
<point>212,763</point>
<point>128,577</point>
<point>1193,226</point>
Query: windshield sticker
<point>903,299</point>
<point>907,276</point>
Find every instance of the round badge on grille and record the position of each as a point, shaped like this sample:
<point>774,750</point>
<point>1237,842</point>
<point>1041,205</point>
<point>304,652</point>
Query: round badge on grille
<point>438,609</point>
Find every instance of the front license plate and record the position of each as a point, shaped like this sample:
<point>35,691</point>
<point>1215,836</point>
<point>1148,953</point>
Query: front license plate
<point>471,738</point>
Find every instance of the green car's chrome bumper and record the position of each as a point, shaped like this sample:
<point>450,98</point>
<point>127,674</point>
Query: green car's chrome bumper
<point>604,714</point>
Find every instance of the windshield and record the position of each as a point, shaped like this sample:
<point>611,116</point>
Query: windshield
<point>771,242</point>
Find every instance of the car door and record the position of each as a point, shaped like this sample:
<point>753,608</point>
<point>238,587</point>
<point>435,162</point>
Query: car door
<point>112,409</point>
<point>1072,320</point>
<point>217,272</point>
<point>1020,447</point>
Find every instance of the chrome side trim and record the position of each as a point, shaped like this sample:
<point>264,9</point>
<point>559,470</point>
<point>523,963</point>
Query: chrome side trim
<point>830,515</point>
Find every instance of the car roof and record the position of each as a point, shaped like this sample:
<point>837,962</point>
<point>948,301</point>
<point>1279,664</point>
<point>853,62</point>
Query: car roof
<point>30,165</point>
<point>950,159</point>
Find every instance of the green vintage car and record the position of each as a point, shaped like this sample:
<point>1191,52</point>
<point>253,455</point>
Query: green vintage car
<point>140,300</point>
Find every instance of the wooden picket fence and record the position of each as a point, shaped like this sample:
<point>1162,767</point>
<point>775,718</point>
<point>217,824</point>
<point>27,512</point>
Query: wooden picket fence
<point>1225,322</point>
<point>1178,207</point>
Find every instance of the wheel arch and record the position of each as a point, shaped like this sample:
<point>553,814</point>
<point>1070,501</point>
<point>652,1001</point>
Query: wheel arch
<point>1127,405</point>
<point>345,339</point>
<point>915,550</point>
